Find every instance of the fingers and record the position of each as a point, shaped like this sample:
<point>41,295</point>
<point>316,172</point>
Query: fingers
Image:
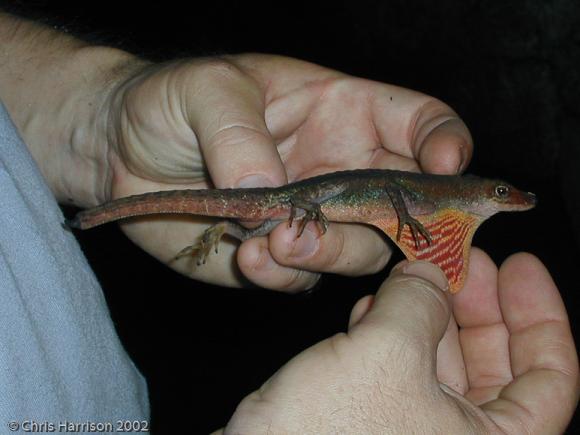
<point>451,369</point>
<point>360,309</point>
<point>290,262</point>
<point>483,336</point>
<point>346,249</point>
<point>256,263</point>
<point>477,303</point>
<point>225,108</point>
<point>408,318</point>
<point>446,147</point>
<point>413,125</point>
<point>544,393</point>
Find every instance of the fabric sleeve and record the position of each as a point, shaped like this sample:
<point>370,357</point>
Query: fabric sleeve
<point>60,357</point>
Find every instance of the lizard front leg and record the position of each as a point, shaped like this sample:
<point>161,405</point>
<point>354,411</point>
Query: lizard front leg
<point>405,218</point>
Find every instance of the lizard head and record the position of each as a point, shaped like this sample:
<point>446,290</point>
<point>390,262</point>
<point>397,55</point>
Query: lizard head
<point>497,195</point>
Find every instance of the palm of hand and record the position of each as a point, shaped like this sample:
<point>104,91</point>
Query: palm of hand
<point>513,355</point>
<point>512,366</point>
<point>279,118</point>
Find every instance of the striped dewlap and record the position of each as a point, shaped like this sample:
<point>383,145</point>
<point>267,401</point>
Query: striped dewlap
<point>451,233</point>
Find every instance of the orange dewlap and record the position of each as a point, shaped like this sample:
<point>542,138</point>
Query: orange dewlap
<point>451,233</point>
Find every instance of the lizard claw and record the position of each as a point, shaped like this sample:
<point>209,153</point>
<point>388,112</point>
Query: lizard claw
<point>405,218</point>
<point>314,214</point>
<point>201,249</point>
<point>416,228</point>
<point>292,215</point>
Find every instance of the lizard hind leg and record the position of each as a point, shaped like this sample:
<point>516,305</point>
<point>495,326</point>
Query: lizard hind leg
<point>201,249</point>
<point>312,212</point>
<point>211,237</point>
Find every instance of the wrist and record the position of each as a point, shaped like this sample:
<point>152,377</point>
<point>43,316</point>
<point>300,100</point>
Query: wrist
<point>68,132</point>
<point>56,89</point>
<point>84,124</point>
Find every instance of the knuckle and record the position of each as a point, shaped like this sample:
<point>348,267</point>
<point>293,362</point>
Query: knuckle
<point>340,344</point>
<point>234,132</point>
<point>421,287</point>
<point>252,415</point>
<point>295,281</point>
<point>432,107</point>
<point>375,262</point>
<point>342,255</point>
<point>429,114</point>
<point>413,282</point>
<point>337,86</point>
<point>216,68</point>
<point>422,295</point>
<point>334,251</point>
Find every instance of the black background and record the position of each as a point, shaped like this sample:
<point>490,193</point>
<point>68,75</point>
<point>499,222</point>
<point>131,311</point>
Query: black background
<point>509,68</point>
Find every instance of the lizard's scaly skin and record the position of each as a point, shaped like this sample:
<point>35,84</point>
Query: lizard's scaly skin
<point>442,211</point>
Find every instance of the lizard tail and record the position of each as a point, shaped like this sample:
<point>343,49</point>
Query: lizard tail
<point>247,204</point>
<point>72,223</point>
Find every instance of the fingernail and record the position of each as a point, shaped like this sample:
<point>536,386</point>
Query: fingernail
<point>256,180</point>
<point>428,271</point>
<point>305,245</point>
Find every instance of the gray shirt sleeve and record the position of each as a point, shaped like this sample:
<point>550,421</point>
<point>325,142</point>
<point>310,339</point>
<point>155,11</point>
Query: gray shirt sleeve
<point>60,358</point>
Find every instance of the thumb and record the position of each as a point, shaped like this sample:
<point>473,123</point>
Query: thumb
<point>411,310</point>
<point>226,109</point>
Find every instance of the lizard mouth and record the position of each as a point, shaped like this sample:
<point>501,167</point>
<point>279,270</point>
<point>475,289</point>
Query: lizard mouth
<point>521,201</point>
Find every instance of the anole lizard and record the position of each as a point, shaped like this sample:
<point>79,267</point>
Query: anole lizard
<point>430,217</point>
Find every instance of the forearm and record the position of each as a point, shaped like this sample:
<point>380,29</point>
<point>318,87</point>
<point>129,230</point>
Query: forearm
<point>56,89</point>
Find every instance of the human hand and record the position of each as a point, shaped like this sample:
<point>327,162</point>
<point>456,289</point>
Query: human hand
<point>404,367</point>
<point>102,124</point>
<point>263,121</point>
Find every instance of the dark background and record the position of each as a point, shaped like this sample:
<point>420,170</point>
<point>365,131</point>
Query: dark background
<point>509,68</point>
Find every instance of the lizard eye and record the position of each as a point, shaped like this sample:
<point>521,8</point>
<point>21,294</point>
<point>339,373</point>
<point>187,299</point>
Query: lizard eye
<point>502,191</point>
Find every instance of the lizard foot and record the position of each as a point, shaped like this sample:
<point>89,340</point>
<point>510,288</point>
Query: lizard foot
<point>313,212</point>
<point>416,228</point>
<point>405,218</point>
<point>202,248</point>
<point>313,215</point>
